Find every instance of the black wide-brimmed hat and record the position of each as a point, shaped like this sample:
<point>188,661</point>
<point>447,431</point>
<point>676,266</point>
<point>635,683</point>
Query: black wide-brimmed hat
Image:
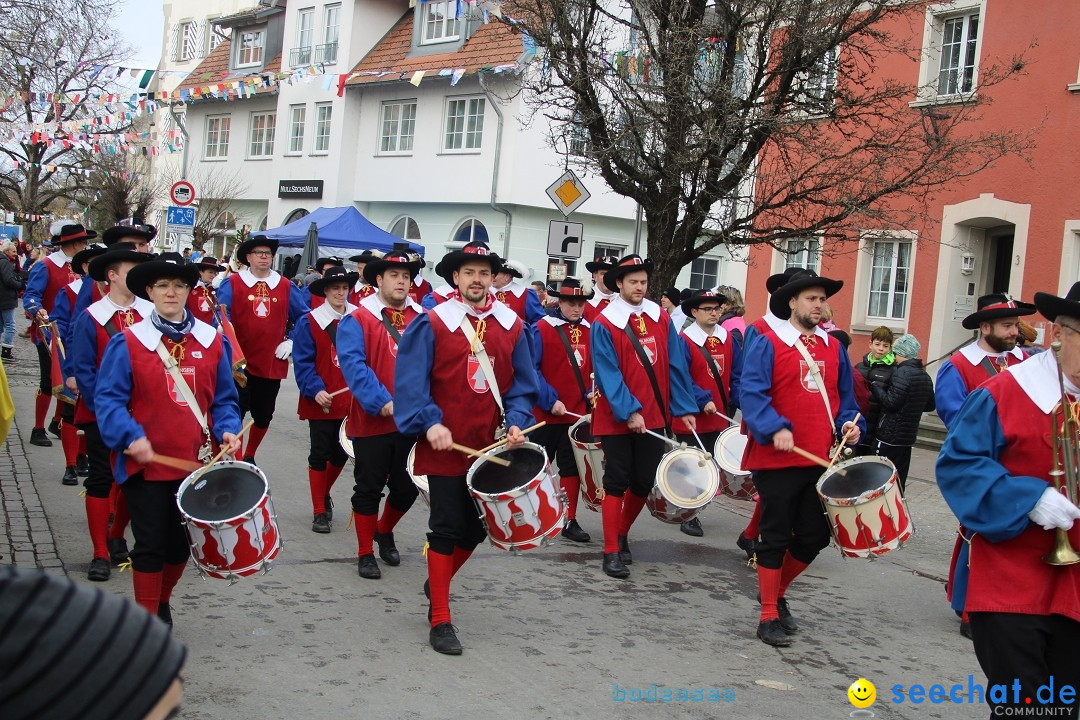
<point>250,244</point>
<point>73,233</point>
<point>602,263</point>
<point>996,306</point>
<point>1051,306</point>
<point>366,256</point>
<point>324,262</point>
<point>775,281</point>
<point>393,259</point>
<point>475,251</point>
<point>119,252</point>
<point>628,264</point>
<point>209,263</point>
<point>795,284</point>
<point>118,232</point>
<point>571,290</point>
<point>84,256</point>
<point>170,267</point>
<point>700,298</point>
<point>333,274</point>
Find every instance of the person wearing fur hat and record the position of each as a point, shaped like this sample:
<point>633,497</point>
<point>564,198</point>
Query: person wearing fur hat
<point>521,299</point>
<point>443,396</point>
<point>643,383</point>
<point>601,296</point>
<point>202,302</point>
<point>362,288</point>
<point>908,394</point>
<point>369,338</point>
<point>564,375</point>
<point>798,391</point>
<point>171,365</point>
<point>995,471</point>
<point>262,305</point>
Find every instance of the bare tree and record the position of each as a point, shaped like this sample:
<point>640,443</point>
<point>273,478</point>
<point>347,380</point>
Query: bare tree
<point>218,191</point>
<point>121,186</point>
<point>751,121</point>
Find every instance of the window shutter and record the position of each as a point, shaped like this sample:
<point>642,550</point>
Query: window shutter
<point>201,28</point>
<point>174,45</point>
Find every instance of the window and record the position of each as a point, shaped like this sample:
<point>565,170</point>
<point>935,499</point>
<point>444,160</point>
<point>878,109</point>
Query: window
<point>215,36</point>
<point>217,136</point>
<point>956,66</point>
<point>815,89</point>
<point>615,251</point>
<point>803,253</point>
<point>440,22</point>
<point>262,135</point>
<point>398,126</point>
<point>406,229</point>
<point>470,230</point>
<point>464,124</point>
<point>190,40</point>
<point>297,118</point>
<point>577,141</point>
<point>704,273</point>
<point>322,127</point>
<point>305,29</point>
<point>249,49</point>
<point>327,52</point>
<point>889,279</point>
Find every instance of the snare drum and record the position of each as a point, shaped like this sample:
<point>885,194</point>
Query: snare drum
<point>230,520</point>
<point>728,451</point>
<point>589,458</point>
<point>346,443</point>
<point>685,483</point>
<point>420,481</point>
<point>521,505</point>
<point>867,513</point>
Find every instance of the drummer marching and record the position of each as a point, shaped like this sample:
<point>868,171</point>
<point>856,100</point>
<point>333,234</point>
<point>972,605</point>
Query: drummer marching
<point>203,302</point>
<point>521,299</point>
<point>369,340</point>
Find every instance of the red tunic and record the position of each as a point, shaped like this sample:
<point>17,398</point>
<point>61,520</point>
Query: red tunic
<point>358,293</point>
<point>655,342</point>
<point>515,302</point>
<point>60,276</point>
<point>975,375</point>
<point>417,291</point>
<point>120,321</point>
<point>259,316</point>
<point>202,301</point>
<point>327,368</point>
<point>555,367</point>
<point>702,375</point>
<point>594,307</point>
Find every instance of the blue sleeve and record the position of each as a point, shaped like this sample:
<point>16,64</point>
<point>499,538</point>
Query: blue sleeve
<point>85,298</point>
<point>978,488</point>
<point>305,295</point>
<point>82,358</point>
<point>608,375</point>
<point>761,419</point>
<point>521,397</point>
<point>307,378</point>
<point>36,284</point>
<point>298,307</point>
<point>682,388</point>
<point>224,296</point>
<point>113,394</point>
<point>61,315</point>
<point>414,409</point>
<point>534,311</point>
<point>361,379</point>
<point>845,388</point>
<point>225,409</point>
<point>547,395</point>
<point>950,391</point>
<point>702,397</point>
<point>736,375</point>
<point>428,301</point>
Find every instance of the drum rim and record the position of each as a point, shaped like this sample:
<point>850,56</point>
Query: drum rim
<point>650,502</point>
<point>410,459</point>
<point>866,495</point>
<point>705,497</point>
<point>512,492</point>
<point>585,419</point>
<point>345,441</point>
<point>263,499</point>
<point>720,456</point>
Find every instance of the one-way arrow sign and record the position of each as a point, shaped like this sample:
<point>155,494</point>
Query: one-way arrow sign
<point>564,239</point>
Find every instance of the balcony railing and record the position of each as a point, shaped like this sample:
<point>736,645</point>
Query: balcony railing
<point>300,56</point>
<point>326,53</point>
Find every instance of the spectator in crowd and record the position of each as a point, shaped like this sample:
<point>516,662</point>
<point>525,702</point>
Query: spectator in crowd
<point>311,276</point>
<point>196,256</point>
<point>187,255</point>
<point>542,293</point>
<point>827,323</point>
<point>862,389</point>
<point>732,311</point>
<point>876,367</point>
<point>903,400</point>
<point>10,286</point>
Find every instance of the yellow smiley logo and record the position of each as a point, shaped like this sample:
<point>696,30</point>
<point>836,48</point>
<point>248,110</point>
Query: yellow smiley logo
<point>862,693</point>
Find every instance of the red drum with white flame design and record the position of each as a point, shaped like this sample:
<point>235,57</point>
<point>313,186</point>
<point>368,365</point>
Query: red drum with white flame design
<point>521,505</point>
<point>589,458</point>
<point>420,481</point>
<point>728,451</point>
<point>686,481</point>
<point>867,513</point>
<point>230,520</point>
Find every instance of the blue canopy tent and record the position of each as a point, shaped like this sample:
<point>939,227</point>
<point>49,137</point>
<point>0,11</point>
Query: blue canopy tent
<point>342,231</point>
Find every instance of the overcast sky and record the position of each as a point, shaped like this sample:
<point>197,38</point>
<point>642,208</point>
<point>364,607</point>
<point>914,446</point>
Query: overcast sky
<point>141,24</point>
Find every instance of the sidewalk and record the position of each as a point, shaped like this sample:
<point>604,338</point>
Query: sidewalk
<point>26,537</point>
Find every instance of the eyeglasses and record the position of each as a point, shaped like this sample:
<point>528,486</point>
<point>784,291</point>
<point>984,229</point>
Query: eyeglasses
<point>175,286</point>
<point>709,309</point>
<point>1069,327</point>
<point>261,253</point>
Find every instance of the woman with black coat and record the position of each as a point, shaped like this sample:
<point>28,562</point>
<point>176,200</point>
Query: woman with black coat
<point>908,394</point>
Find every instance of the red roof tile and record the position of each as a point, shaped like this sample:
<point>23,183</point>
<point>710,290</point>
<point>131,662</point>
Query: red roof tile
<point>491,45</point>
<point>214,69</point>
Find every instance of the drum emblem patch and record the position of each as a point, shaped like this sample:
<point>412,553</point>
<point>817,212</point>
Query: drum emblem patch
<point>809,382</point>
<point>648,344</point>
<point>175,393</point>
<point>476,377</point>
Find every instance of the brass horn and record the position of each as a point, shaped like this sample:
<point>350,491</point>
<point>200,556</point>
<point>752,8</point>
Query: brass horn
<point>1065,472</point>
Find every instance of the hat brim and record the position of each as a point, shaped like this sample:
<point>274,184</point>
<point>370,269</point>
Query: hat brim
<point>582,296</point>
<point>452,262</point>
<point>594,266</point>
<point>61,240</point>
<point>778,302</point>
<point>118,232</point>
<point>210,266</point>
<point>146,274</point>
<point>98,267</point>
<point>247,246</point>
<point>611,279</point>
<point>85,256</point>
<point>318,287</point>
<point>377,267</point>
<point>972,321</point>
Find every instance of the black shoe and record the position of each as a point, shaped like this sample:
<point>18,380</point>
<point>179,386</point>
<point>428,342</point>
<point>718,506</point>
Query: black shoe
<point>624,551</point>
<point>573,531</point>
<point>965,630</point>
<point>614,567</point>
<point>164,613</point>
<point>118,550</point>
<point>747,545</point>
<point>787,620</point>
<point>368,568</point>
<point>71,476</point>
<point>321,524</point>
<point>328,503</point>
<point>444,640</point>
<point>250,459</point>
<point>99,570</point>
<point>54,428</point>
<point>771,633</point>
<point>387,550</point>
<point>39,438</point>
<point>82,465</point>
<point>692,527</point>
<point>5,354</point>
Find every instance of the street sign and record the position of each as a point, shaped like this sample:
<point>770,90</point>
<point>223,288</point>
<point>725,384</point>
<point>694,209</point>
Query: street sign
<point>568,193</point>
<point>182,193</point>
<point>180,218</point>
<point>564,239</point>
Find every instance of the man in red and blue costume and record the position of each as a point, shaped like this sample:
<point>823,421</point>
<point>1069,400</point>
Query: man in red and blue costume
<point>522,300</point>
<point>994,471</point>
<point>442,397</point>
<point>629,404</point>
<point>785,406</point>
<point>601,296</point>
<point>203,302</point>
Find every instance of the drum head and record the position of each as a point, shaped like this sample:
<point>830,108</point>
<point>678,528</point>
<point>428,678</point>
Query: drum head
<point>225,491</point>
<point>864,474</point>
<point>525,464</point>
<point>729,450</point>
<point>582,432</point>
<point>683,480</point>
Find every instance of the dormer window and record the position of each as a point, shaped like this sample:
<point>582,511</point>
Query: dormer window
<point>249,48</point>
<point>440,23</point>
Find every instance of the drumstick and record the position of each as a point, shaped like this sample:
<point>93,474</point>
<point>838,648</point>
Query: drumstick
<point>326,410</point>
<point>708,455</point>
<point>222,451</point>
<point>817,459</point>
<point>666,439</point>
<point>178,463</point>
<point>477,453</point>
<point>526,431</point>
<point>843,440</point>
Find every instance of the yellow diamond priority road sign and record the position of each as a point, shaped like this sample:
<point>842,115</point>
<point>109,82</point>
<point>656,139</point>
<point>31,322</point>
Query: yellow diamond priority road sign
<point>568,193</point>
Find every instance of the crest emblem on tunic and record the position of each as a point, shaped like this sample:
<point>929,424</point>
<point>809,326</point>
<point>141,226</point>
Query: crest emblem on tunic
<point>476,377</point>
<point>809,382</point>
<point>333,357</point>
<point>260,303</point>
<point>393,345</point>
<point>719,360</point>
<point>579,354</point>
<point>648,344</point>
<point>188,373</point>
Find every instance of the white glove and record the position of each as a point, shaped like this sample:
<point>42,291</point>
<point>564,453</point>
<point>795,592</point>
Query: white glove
<point>1054,511</point>
<point>284,350</point>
